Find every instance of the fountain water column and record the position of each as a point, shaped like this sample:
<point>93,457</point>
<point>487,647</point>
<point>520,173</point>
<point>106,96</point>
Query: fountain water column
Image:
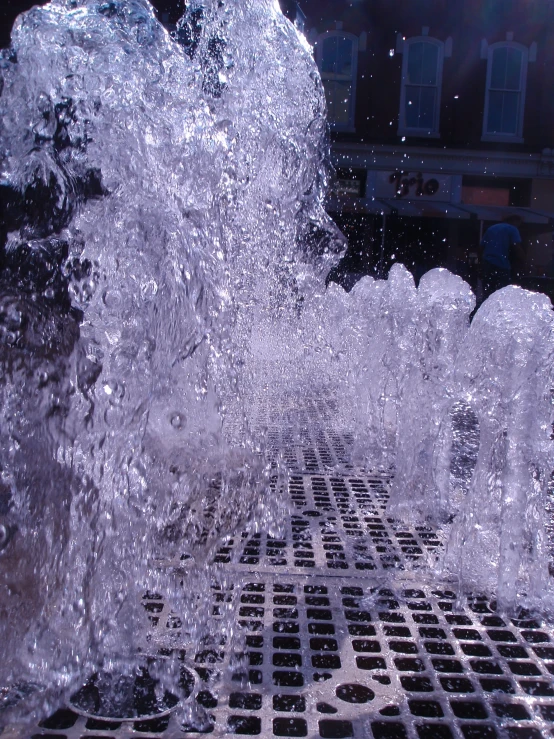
<point>498,543</point>
<point>441,319</point>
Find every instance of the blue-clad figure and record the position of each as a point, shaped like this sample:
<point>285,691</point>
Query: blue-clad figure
<point>501,244</point>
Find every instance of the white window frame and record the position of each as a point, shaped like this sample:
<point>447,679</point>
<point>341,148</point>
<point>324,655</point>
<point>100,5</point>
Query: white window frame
<point>516,138</point>
<point>403,129</point>
<point>350,126</point>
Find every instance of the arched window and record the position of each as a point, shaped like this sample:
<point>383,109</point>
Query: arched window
<point>337,58</point>
<point>505,93</point>
<point>421,86</point>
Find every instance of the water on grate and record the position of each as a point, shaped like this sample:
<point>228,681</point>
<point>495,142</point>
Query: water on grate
<point>343,632</point>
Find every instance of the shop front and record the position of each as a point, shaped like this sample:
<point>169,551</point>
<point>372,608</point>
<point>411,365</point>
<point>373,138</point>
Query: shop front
<point>429,208</point>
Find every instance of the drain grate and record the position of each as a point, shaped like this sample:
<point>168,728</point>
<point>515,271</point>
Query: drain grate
<point>339,524</point>
<point>344,657</point>
<point>343,633</point>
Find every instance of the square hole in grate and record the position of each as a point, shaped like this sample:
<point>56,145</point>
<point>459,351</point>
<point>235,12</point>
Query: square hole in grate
<point>314,600</point>
<point>485,667</point>
<point>457,685</point>
<point>286,627</point>
<point>524,668</point>
<point>388,730</point>
<point>290,727</point>
<point>475,649</point>
<point>469,709</point>
<point>322,629</point>
<point>365,645</point>
<point>361,630</point>
<point>433,731</point>
<point>93,723</point>
<point>537,687</point>
<point>512,651</point>
<point>254,598</point>
<point>478,731</point>
<point>458,619</point>
<point>289,703</point>
<point>433,647</point>
<point>427,709</point>
<point>403,647</point>
<point>515,711</point>
<point>288,679</point>
<point>287,659</point>
<point>425,618</point>
<point>432,633</point>
<point>334,729</point>
<point>251,725</point>
<point>245,701</point>
<point>284,600</point>
<point>416,684</point>
<point>326,661</point>
<point>447,665</point>
<point>543,652</point>
<point>523,732</point>
<point>497,685</point>
<point>286,642</point>
<point>371,663</point>
<point>407,664</point>
<point>323,645</point>
<point>283,588</point>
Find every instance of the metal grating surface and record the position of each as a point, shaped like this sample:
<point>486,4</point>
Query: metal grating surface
<point>343,632</point>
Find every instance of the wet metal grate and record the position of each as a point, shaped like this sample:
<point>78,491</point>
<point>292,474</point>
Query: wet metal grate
<point>340,657</point>
<point>343,634</point>
<point>338,524</point>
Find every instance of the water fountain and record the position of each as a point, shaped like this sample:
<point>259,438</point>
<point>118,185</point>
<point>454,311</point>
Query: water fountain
<point>169,353</point>
<point>158,200</point>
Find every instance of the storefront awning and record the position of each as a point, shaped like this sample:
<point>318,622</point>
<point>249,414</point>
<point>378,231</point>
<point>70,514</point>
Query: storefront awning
<point>432,209</point>
<point>497,213</point>
<point>421,208</point>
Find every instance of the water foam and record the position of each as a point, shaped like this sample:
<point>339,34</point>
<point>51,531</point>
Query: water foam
<point>168,196</point>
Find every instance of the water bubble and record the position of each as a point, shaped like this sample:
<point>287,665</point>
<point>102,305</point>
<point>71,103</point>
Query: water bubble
<point>10,337</point>
<point>178,421</point>
<point>43,377</point>
<point>112,298</point>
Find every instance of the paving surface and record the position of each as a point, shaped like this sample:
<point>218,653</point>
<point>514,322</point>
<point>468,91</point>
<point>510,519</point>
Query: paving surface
<point>345,634</point>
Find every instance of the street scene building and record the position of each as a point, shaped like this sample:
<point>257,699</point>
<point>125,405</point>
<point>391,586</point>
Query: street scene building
<point>441,124</point>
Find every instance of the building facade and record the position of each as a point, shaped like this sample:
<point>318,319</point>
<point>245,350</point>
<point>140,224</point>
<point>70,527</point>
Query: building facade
<point>441,117</point>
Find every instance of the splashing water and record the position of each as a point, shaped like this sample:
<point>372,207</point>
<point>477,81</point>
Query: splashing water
<point>462,412</point>
<point>444,304</point>
<point>160,201</point>
<point>498,542</point>
<point>163,256</point>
